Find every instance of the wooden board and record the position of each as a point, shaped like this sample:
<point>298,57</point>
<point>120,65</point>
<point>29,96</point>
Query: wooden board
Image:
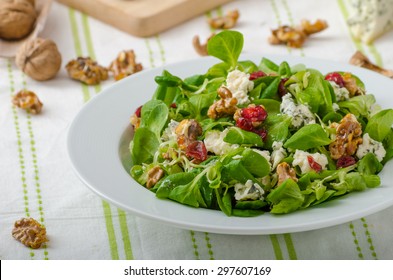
<point>143,17</point>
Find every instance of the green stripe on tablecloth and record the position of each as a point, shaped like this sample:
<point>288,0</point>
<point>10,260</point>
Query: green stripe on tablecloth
<point>78,48</point>
<point>194,245</point>
<point>276,247</point>
<point>378,59</point>
<point>278,18</point>
<point>110,230</point>
<point>150,51</point>
<point>33,150</point>
<point>89,44</point>
<point>162,50</point>
<point>21,157</point>
<point>125,234</point>
<point>375,53</point>
<point>122,216</point>
<point>356,241</point>
<point>291,21</point>
<point>290,246</point>
<point>369,239</point>
<point>209,246</point>
<point>344,12</point>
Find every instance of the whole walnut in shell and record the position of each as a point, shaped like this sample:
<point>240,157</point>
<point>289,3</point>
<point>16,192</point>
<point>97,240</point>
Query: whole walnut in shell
<point>17,18</point>
<point>39,58</point>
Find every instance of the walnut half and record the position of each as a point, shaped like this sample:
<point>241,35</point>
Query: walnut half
<point>29,232</point>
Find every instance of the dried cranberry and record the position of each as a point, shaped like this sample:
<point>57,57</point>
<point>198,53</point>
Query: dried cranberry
<point>345,161</point>
<point>256,75</point>
<point>314,165</point>
<point>197,150</point>
<point>174,105</point>
<point>244,124</point>
<point>282,90</point>
<point>254,113</point>
<point>335,77</point>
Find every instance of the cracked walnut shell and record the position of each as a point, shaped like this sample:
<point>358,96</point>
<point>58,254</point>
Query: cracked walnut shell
<point>125,65</point>
<point>39,59</point>
<point>86,70</point>
<point>17,18</point>
<point>29,232</point>
<point>28,101</point>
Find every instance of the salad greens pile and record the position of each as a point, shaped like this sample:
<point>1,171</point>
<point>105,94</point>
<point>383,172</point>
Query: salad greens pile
<point>247,139</point>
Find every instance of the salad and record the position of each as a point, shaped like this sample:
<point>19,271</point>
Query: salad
<point>248,138</point>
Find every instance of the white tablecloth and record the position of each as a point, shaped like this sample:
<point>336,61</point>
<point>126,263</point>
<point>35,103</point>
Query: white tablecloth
<point>36,178</point>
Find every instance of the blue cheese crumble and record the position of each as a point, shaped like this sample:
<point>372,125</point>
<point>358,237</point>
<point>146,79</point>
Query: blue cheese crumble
<point>300,159</point>
<point>341,93</point>
<point>278,154</point>
<point>300,113</point>
<point>370,145</point>
<point>169,133</point>
<point>248,191</point>
<point>214,142</point>
<point>240,85</point>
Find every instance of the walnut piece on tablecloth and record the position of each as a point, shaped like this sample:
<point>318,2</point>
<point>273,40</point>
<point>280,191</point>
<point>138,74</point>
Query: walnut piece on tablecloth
<point>27,100</point>
<point>295,37</point>
<point>29,232</point>
<point>359,59</point>
<point>86,70</point>
<point>225,22</point>
<point>125,65</point>
<point>200,48</point>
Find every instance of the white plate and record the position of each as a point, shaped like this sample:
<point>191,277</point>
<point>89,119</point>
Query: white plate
<point>98,142</point>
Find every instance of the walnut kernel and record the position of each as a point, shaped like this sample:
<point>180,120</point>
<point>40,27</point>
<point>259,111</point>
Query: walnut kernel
<point>17,18</point>
<point>125,65</point>
<point>201,49</point>
<point>225,22</point>
<point>86,70</point>
<point>187,131</point>
<point>348,137</point>
<point>284,172</point>
<point>39,59</point>
<point>226,106</point>
<point>296,36</point>
<point>29,232</point>
<point>154,175</point>
<point>28,101</point>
